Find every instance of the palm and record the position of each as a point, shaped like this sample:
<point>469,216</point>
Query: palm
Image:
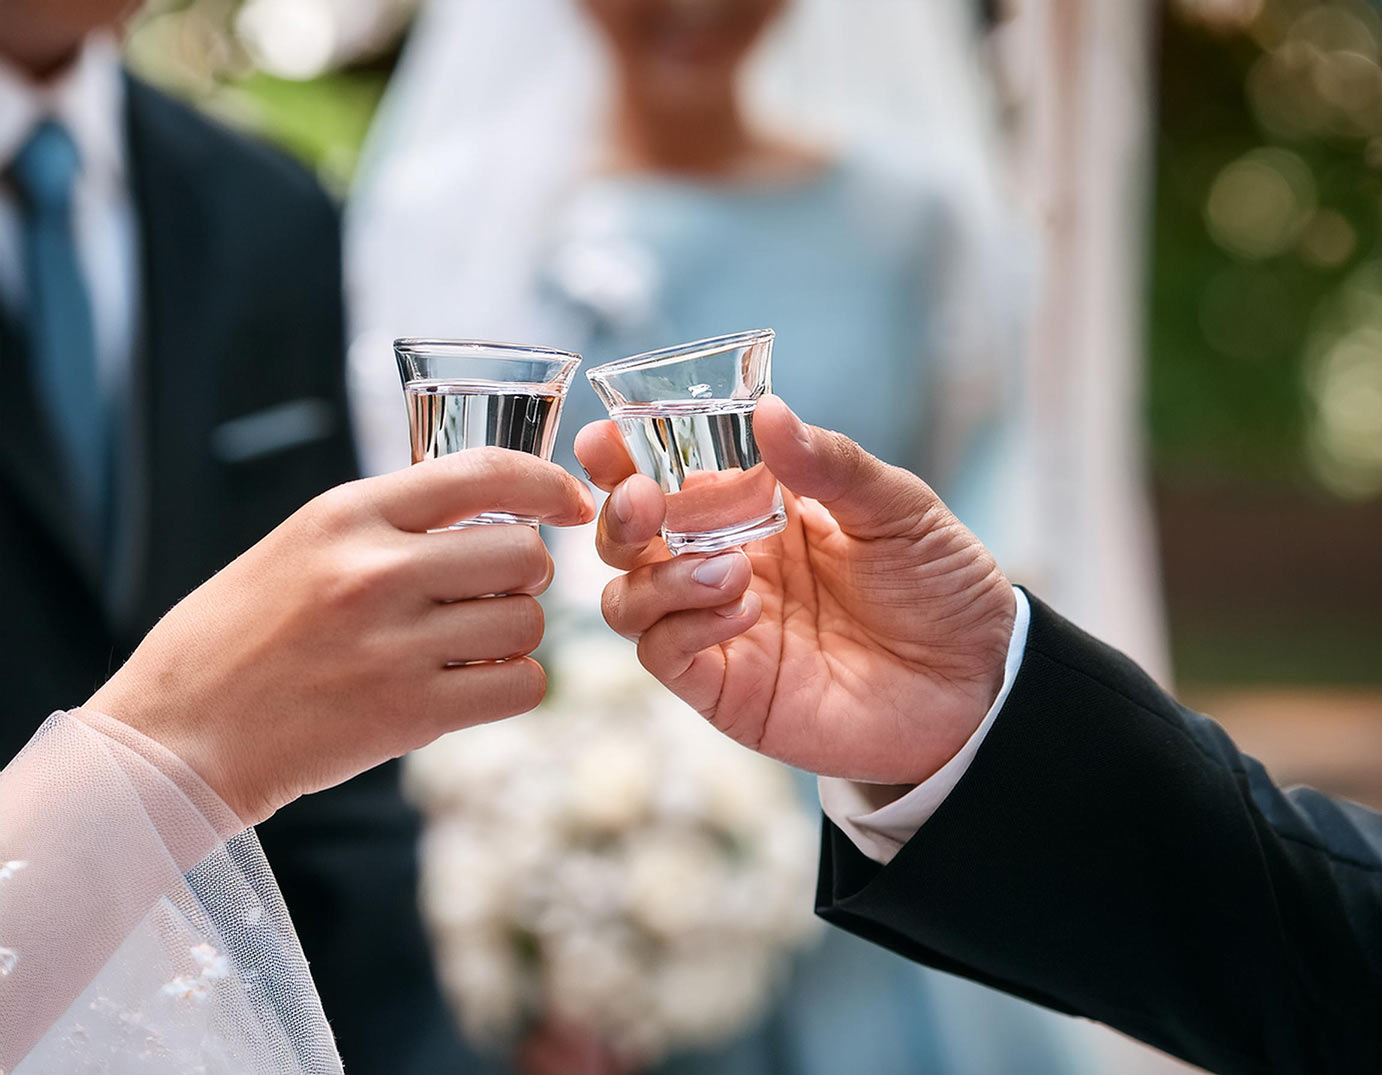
<point>858,649</point>
<point>874,638</point>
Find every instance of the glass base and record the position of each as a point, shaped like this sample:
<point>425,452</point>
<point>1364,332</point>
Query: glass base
<point>488,518</point>
<point>730,537</point>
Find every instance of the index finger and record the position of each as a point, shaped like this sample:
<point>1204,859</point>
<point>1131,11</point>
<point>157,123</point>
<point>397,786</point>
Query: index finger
<point>437,492</point>
<point>601,451</point>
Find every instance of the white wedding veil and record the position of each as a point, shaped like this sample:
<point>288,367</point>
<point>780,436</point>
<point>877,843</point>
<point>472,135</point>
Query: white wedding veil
<point>495,111</point>
<point>496,107</point>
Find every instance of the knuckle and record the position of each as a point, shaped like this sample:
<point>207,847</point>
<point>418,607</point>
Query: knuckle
<point>494,461</point>
<point>612,604</point>
<point>530,557</point>
<point>677,631</point>
<point>605,548</point>
<point>530,622</point>
<point>847,462</point>
<point>549,572</point>
<point>918,509</point>
<point>360,577</point>
<point>337,511</point>
<point>509,688</point>
<point>522,560</point>
<point>529,685</point>
<point>650,648</point>
<point>611,546</point>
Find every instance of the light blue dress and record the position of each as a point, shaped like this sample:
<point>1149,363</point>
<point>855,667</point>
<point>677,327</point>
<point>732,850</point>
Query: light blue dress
<point>842,266</point>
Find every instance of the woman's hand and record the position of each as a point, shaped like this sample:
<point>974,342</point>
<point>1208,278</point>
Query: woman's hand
<point>345,637</point>
<point>865,641</point>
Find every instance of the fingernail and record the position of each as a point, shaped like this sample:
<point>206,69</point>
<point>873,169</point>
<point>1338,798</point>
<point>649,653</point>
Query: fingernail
<point>715,572</point>
<point>736,609</point>
<point>619,503</point>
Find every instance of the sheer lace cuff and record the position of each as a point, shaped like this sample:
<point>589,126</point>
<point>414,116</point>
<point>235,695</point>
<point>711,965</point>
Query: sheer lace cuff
<point>140,924</point>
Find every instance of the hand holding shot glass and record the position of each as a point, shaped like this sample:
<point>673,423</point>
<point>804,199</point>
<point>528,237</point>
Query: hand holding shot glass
<point>473,394</point>
<point>686,416</point>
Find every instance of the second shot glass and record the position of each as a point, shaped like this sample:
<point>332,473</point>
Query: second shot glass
<point>686,416</point>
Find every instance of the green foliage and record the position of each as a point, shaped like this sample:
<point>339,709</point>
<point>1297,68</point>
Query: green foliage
<point>198,49</point>
<point>1231,332</point>
<point>323,121</point>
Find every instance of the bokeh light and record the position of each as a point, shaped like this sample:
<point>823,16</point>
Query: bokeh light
<point>1259,204</point>
<point>1222,15</point>
<point>1328,240</point>
<point>290,38</point>
<point>1344,382</point>
<point>1321,78</point>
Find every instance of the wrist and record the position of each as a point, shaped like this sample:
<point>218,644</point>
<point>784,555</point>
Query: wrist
<point>179,725</point>
<point>993,670</point>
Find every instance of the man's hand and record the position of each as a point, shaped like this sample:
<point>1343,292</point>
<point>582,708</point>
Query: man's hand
<point>865,641</point>
<point>344,637</point>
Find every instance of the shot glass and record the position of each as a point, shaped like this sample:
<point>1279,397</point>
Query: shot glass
<point>686,415</point>
<point>472,394</point>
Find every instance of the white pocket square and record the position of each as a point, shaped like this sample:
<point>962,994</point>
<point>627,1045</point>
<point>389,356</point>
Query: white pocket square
<point>274,429</point>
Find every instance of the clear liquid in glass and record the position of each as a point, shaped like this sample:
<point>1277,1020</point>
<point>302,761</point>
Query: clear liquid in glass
<point>451,416</point>
<point>702,452</point>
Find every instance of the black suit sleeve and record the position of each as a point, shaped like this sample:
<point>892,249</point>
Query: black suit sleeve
<point>1111,854</point>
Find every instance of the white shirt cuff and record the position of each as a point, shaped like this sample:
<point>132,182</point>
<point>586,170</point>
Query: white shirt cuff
<point>879,819</point>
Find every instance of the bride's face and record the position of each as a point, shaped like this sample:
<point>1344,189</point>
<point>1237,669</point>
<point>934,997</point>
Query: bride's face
<point>682,50</point>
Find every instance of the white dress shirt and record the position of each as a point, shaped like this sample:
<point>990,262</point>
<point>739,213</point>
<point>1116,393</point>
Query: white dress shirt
<point>88,100</point>
<point>879,820</point>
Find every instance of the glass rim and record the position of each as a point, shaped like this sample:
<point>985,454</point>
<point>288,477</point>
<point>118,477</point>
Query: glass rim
<point>684,352</point>
<point>496,350</point>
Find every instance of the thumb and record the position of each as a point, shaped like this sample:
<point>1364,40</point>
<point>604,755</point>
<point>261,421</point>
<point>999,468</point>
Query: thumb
<point>867,497</point>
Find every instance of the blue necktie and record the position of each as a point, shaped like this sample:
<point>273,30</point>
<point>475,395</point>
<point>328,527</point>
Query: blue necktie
<point>61,330</point>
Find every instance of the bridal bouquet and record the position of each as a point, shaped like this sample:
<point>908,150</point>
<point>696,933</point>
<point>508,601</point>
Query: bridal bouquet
<point>612,861</point>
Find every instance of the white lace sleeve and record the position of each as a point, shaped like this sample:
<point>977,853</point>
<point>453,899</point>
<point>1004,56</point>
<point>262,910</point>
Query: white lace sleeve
<point>141,930</point>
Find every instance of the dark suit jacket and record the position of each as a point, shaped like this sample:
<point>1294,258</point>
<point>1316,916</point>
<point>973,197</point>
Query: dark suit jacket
<point>241,318</point>
<point>1110,854</point>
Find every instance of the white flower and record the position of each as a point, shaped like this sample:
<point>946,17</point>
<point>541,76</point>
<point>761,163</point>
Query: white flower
<point>674,881</point>
<point>467,879</point>
<point>594,977</point>
<point>9,869</point>
<point>484,977</point>
<point>612,859</point>
<point>611,784</point>
<point>703,995</point>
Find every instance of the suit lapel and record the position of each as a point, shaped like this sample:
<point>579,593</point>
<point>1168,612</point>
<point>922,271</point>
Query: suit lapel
<point>187,300</point>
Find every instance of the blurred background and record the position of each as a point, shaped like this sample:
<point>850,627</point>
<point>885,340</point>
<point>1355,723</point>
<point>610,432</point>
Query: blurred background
<point>1261,368</point>
<point>1190,197</point>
